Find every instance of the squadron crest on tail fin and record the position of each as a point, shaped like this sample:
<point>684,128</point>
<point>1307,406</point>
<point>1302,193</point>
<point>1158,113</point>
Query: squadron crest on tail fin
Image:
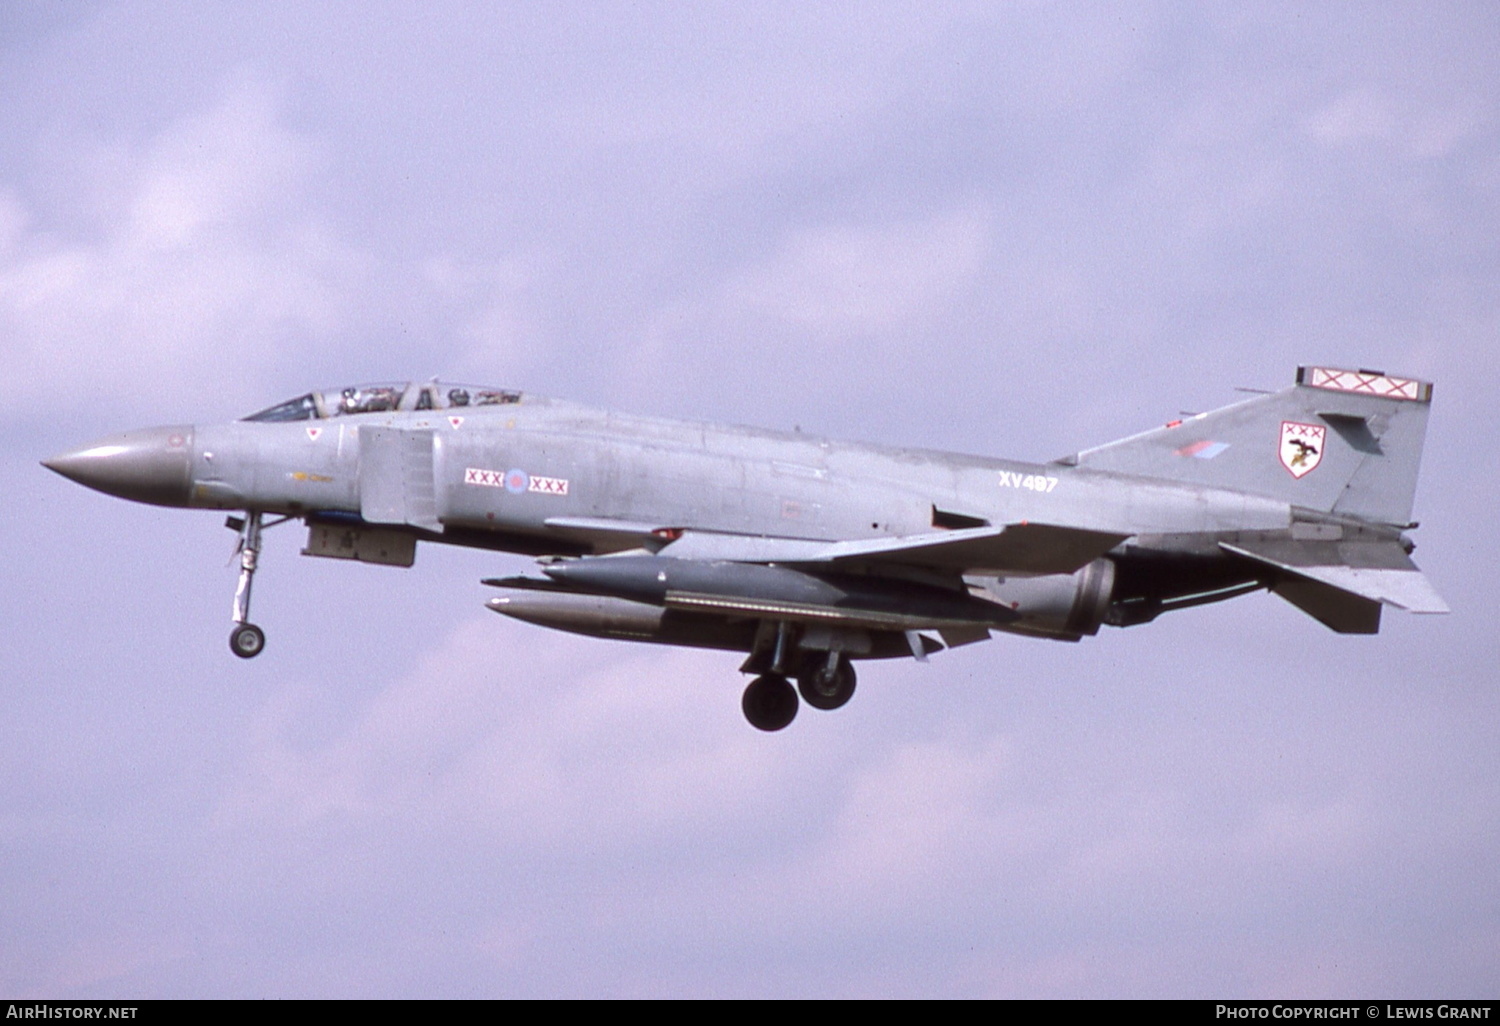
<point>1301,447</point>
<point>1361,430</point>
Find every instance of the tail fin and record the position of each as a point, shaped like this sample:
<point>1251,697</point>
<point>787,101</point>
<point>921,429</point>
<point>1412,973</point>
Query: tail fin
<point>1338,441</point>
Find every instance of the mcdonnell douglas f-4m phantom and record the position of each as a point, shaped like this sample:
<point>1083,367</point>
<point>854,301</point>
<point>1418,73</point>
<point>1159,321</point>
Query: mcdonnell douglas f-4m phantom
<point>808,554</point>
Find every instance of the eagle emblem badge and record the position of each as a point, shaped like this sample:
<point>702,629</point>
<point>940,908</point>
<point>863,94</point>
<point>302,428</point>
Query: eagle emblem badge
<point>1301,447</point>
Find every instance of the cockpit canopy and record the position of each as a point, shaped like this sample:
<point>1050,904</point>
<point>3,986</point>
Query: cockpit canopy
<point>384,398</point>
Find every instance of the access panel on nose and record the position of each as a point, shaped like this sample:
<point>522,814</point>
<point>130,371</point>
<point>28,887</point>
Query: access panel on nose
<point>395,477</point>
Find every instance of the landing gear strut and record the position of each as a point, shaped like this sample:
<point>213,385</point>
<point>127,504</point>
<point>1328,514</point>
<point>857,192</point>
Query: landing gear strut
<point>246,640</point>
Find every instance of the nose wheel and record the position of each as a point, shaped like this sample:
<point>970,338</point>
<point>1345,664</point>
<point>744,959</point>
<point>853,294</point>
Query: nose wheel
<point>247,640</point>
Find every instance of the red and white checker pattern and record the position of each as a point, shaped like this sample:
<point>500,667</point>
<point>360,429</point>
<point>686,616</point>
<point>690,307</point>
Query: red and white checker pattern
<point>488,478</point>
<point>548,485</point>
<point>1367,383</point>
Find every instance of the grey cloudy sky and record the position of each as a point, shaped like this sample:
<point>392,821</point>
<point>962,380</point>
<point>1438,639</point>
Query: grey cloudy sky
<point>1016,229</point>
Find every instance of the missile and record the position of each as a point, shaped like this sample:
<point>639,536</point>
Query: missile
<point>778,593</point>
<point>599,615</point>
<point>606,616</point>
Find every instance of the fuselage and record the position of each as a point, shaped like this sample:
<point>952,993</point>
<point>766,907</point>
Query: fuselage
<point>511,469</point>
<point>541,476</point>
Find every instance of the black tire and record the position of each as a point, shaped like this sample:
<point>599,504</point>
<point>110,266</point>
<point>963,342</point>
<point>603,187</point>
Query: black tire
<point>247,640</point>
<point>822,690</point>
<point>770,703</point>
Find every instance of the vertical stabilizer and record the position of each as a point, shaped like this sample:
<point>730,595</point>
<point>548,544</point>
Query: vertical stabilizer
<point>1338,441</point>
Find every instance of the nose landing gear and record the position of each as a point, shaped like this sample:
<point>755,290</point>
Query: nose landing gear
<point>247,640</point>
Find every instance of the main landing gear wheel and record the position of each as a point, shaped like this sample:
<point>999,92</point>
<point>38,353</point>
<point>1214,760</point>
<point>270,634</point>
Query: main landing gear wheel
<point>770,703</point>
<point>247,640</point>
<point>822,689</point>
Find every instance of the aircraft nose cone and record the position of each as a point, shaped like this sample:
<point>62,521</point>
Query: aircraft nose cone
<point>151,465</point>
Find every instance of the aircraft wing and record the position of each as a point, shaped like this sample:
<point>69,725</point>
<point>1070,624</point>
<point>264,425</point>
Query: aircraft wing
<point>1018,549</point>
<point>604,534</point>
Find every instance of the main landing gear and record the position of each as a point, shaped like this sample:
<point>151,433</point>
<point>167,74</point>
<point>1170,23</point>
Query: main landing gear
<point>770,701</point>
<point>247,640</point>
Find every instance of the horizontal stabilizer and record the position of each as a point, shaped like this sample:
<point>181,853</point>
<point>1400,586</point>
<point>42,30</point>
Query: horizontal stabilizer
<point>1335,609</point>
<point>1017,549</point>
<point>1373,572</point>
<point>1405,589</point>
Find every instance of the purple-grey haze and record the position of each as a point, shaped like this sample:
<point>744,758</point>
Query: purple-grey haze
<point>1014,229</point>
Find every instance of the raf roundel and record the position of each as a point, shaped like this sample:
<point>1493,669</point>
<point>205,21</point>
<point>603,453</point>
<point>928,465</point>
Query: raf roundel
<point>516,481</point>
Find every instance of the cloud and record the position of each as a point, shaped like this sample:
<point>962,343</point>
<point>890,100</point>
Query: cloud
<point>195,264</point>
<point>827,306</point>
<point>865,278</point>
<point>1414,130</point>
<point>531,738</point>
<point>1354,115</point>
<point>490,311</point>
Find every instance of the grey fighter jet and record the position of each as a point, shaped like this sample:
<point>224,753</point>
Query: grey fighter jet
<point>807,554</point>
